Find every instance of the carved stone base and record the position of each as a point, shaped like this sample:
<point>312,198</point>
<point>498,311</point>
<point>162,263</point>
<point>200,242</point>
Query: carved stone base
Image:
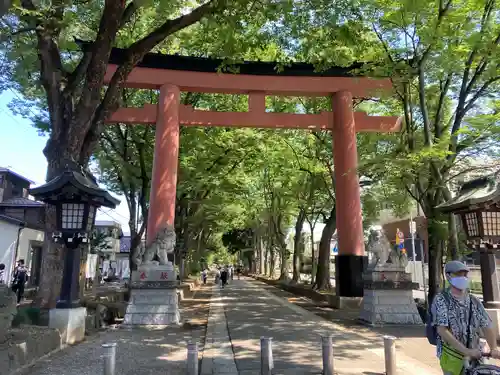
<point>153,299</point>
<point>388,298</point>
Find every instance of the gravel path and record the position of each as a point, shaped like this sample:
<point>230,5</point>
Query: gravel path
<point>139,351</point>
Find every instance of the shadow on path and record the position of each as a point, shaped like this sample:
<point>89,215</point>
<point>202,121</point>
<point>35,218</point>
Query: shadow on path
<point>251,313</point>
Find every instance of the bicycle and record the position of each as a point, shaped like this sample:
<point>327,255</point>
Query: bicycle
<point>480,367</point>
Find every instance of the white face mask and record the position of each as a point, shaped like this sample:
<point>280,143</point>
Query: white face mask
<point>460,282</point>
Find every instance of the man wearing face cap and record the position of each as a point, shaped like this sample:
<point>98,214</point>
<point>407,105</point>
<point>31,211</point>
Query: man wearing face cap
<point>452,310</point>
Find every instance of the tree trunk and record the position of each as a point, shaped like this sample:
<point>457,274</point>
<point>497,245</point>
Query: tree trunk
<point>261,255</point>
<point>435,257</point>
<point>313,255</point>
<point>323,273</point>
<point>272,263</point>
<point>250,260</point>
<point>184,251</point>
<point>135,242</point>
<point>266,260</point>
<point>312,225</point>
<point>296,244</point>
<point>284,255</point>
<point>453,244</point>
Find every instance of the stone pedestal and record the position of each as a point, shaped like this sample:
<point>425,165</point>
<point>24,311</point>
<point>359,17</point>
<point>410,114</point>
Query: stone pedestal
<point>495,318</point>
<point>153,299</point>
<point>388,297</point>
<point>70,323</point>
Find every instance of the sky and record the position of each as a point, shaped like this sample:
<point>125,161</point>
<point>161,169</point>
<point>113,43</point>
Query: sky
<point>21,151</point>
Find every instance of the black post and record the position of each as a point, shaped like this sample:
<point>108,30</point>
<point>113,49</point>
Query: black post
<point>69,297</point>
<point>489,279</point>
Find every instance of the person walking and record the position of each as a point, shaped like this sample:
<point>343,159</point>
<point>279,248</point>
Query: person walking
<point>20,276</point>
<point>204,274</point>
<point>459,318</point>
<point>217,276</point>
<point>223,277</point>
<point>228,269</point>
<point>2,273</point>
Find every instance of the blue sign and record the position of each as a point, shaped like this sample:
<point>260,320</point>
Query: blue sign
<point>335,250</point>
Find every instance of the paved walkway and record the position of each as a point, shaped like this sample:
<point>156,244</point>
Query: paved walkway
<point>218,356</point>
<point>252,311</point>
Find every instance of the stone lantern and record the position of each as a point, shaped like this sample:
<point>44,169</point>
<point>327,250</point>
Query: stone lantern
<point>76,197</point>
<point>478,207</point>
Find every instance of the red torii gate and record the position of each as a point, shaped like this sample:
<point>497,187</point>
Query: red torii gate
<point>172,74</point>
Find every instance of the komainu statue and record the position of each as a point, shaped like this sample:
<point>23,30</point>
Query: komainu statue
<point>163,245</point>
<point>384,254</point>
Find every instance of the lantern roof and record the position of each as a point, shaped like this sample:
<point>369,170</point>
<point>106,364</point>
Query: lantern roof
<point>473,195</point>
<point>74,179</point>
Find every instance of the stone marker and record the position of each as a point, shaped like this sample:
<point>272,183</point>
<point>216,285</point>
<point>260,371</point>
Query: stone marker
<point>153,298</point>
<point>387,287</point>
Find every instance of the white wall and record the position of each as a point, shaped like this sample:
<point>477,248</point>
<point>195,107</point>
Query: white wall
<point>8,241</point>
<point>415,268</point>
<point>24,249</point>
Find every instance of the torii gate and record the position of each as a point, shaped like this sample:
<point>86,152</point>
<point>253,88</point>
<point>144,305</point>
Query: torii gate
<point>172,74</point>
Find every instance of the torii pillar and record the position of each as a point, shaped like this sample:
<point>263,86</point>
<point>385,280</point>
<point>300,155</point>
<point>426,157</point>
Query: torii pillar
<point>165,161</point>
<point>351,260</point>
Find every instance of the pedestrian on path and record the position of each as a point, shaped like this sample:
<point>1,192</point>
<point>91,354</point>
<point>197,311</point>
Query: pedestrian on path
<point>2,273</point>
<point>204,274</point>
<point>223,277</point>
<point>217,276</point>
<point>459,317</point>
<point>20,277</point>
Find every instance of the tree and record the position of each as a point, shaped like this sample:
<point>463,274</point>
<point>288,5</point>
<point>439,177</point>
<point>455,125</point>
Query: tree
<point>446,74</point>
<point>65,78</point>
<point>124,158</point>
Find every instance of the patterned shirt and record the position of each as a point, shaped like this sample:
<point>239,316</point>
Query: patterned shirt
<point>454,314</point>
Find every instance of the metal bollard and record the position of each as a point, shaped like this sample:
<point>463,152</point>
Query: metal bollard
<point>266,356</point>
<point>390,355</point>
<point>109,358</point>
<point>327,349</point>
<point>192,358</point>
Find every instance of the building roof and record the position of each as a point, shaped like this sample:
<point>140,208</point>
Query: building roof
<point>8,171</point>
<point>20,202</point>
<point>474,194</point>
<point>107,223</point>
<point>12,220</point>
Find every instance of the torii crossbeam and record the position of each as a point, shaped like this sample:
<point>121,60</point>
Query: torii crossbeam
<point>173,74</point>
